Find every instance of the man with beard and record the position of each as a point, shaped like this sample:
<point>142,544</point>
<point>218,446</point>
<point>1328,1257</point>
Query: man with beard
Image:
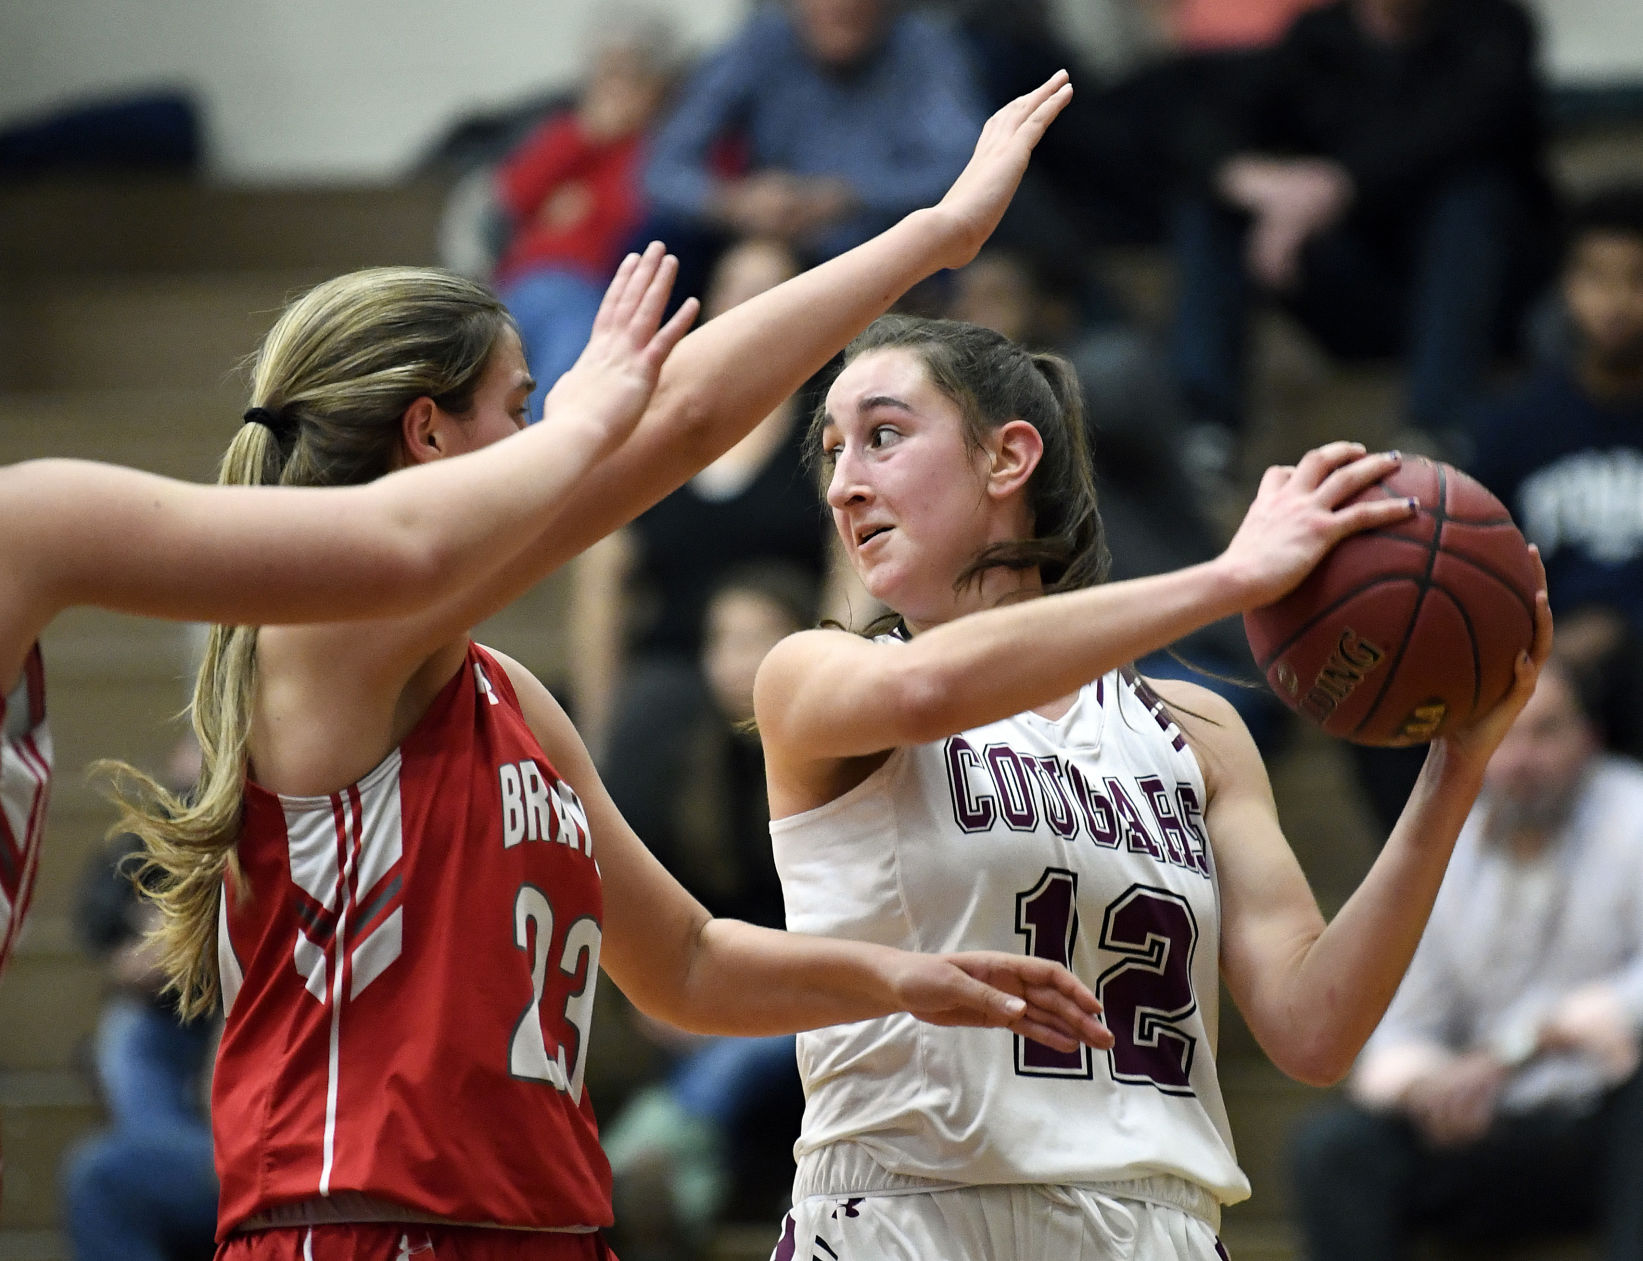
<point>1499,1098</point>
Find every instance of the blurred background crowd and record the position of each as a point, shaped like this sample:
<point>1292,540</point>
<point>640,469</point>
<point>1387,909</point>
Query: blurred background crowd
<point>1261,223</point>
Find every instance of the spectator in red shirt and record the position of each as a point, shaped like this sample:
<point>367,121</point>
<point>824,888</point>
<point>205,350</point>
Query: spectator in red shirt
<point>571,194</point>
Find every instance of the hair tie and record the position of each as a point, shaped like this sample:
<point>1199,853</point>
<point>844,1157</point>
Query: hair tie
<point>281,426</point>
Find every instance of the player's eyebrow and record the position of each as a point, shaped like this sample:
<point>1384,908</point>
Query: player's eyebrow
<point>873,401</point>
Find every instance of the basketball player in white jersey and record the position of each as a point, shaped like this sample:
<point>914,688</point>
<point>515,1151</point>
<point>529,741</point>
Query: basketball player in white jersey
<point>990,774</point>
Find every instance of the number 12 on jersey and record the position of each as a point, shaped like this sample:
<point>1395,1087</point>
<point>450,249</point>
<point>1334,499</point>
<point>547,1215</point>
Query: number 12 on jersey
<point>1145,995</point>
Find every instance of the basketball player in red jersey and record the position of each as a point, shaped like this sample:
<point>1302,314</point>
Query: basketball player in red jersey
<point>401,873</point>
<point>85,533</point>
<point>78,532</point>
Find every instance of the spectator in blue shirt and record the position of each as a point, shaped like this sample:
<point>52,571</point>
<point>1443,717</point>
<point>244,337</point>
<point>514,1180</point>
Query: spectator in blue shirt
<point>819,124</point>
<point>1565,453</point>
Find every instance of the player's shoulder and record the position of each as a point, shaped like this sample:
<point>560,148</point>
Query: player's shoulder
<point>1191,701</point>
<point>1214,729</point>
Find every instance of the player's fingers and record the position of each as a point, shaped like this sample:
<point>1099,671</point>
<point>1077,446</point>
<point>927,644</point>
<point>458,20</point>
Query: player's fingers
<point>1053,1038</point>
<point>671,333</point>
<point>1037,978</point>
<point>1357,475</point>
<point>647,312</point>
<point>1544,631</point>
<point>644,272</point>
<point>1028,104</point>
<point>1372,515</point>
<point>1069,1013</point>
<point>1320,462</point>
<point>1045,114</point>
<point>613,292</point>
<point>993,1005</point>
<point>1274,478</point>
<point>1067,988</point>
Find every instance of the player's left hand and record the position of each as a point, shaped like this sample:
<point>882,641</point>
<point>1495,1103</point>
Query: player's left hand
<point>612,379</point>
<point>1035,998</point>
<point>1477,741</point>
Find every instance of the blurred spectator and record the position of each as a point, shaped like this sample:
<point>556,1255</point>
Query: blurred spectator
<point>154,132</point>
<point>1154,517</point>
<point>1500,1098</point>
<point>1112,160</point>
<point>1565,453</point>
<point>640,593</point>
<point>727,1114</point>
<point>1379,172</point>
<point>821,123</point>
<point>571,200</point>
<point>144,1188</point>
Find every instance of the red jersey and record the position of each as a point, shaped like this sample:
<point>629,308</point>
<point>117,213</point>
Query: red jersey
<point>408,972</point>
<point>25,784</point>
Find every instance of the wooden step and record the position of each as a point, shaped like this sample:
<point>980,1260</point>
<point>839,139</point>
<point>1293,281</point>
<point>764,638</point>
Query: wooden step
<point>178,432</point>
<point>50,1002</point>
<point>134,225</point>
<point>33,1245</point>
<point>187,329</point>
<point>42,1115</point>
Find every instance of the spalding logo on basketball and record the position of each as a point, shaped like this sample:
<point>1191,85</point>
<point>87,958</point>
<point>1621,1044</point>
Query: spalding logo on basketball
<point>1403,633</point>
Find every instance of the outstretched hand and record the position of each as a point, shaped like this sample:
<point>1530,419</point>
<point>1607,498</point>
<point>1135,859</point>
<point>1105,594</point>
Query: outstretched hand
<point>1302,511</point>
<point>977,199</point>
<point>1033,997</point>
<point>612,379</point>
<point>1478,739</point>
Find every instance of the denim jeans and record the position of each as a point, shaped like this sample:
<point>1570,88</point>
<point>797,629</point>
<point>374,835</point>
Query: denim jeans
<point>145,1189</point>
<point>1426,283</point>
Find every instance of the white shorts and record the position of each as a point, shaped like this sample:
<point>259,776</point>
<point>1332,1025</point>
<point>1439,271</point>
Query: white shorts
<point>1029,1222</point>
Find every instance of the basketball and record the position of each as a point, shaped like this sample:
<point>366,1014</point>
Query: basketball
<point>1403,633</point>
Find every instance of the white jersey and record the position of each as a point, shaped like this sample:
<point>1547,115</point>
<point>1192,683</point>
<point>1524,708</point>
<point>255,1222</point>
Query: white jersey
<point>1079,839</point>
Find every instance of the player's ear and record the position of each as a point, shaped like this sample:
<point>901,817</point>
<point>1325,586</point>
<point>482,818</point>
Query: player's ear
<point>422,435</point>
<point>1014,450</point>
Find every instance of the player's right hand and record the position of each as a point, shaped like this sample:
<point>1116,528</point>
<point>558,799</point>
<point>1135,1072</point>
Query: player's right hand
<point>1301,511</point>
<point>1033,997</point>
<point>611,381</point>
<point>977,200</point>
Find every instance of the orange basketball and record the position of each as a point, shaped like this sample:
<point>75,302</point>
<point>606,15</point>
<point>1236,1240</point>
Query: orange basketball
<point>1402,633</point>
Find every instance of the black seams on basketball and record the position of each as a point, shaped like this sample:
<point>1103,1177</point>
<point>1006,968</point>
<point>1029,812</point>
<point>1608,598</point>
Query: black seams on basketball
<point>1403,633</point>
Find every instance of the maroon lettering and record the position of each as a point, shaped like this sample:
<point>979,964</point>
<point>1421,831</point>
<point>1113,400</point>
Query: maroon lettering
<point>972,813</point>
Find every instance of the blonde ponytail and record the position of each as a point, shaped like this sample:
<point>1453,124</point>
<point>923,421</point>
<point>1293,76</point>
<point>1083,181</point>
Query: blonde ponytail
<point>189,838</point>
<point>335,374</point>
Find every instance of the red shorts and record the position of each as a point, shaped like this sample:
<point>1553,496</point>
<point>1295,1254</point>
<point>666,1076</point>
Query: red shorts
<point>397,1241</point>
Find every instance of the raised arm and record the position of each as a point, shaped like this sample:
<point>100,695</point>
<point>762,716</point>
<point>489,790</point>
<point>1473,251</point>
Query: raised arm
<point>734,371</point>
<point>728,375</point>
<point>826,695</point>
<point>79,532</point>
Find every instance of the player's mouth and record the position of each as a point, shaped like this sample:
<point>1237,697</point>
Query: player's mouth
<point>867,533</point>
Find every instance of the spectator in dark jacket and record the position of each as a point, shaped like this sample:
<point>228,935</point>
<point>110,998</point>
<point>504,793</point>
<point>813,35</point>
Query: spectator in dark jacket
<point>1380,174</point>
